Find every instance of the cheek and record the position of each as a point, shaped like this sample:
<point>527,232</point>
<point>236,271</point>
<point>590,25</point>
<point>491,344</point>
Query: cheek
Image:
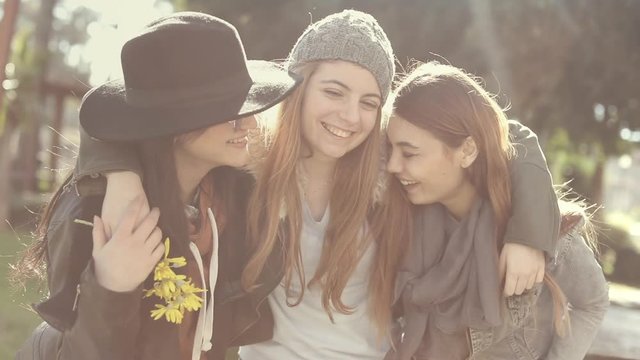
<point>308,117</point>
<point>369,123</point>
<point>312,107</point>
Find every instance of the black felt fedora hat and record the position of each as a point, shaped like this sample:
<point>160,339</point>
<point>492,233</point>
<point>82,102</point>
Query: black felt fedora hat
<point>185,71</point>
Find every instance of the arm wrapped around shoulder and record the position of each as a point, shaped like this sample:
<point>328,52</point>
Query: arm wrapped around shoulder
<point>535,215</point>
<point>99,157</point>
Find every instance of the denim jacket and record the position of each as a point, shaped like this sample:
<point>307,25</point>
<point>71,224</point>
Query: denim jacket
<point>527,331</point>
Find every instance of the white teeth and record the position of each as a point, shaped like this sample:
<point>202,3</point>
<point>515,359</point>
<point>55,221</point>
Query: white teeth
<point>241,140</point>
<point>407,182</point>
<point>337,131</point>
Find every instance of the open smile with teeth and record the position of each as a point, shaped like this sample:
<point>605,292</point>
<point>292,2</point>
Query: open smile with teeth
<point>240,140</point>
<point>407,182</point>
<point>337,131</point>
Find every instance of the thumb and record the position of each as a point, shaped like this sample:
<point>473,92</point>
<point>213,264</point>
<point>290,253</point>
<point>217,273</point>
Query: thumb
<point>106,229</point>
<point>98,234</point>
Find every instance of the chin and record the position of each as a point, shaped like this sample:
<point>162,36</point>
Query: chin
<point>240,164</point>
<point>417,199</point>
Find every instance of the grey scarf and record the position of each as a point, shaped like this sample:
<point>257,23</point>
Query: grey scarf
<point>449,283</point>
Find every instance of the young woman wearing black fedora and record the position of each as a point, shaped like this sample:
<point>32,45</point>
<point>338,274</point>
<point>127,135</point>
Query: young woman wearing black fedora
<point>186,104</point>
<point>324,240</point>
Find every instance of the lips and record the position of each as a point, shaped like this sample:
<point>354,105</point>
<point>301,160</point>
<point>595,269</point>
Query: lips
<point>238,141</point>
<point>336,131</point>
<point>407,182</point>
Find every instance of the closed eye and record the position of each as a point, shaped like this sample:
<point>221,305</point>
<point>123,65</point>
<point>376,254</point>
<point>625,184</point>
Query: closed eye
<point>370,105</point>
<point>333,92</point>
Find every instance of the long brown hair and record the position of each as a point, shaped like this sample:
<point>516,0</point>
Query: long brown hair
<point>31,263</point>
<point>452,105</point>
<point>275,216</point>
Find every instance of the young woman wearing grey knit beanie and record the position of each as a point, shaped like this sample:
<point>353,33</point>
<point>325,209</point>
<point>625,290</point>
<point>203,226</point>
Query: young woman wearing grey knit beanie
<point>318,263</point>
<point>318,199</point>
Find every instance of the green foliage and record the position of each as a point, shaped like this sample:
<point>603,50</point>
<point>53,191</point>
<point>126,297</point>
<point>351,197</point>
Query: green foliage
<point>17,320</point>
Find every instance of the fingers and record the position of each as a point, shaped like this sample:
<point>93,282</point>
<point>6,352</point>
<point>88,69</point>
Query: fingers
<point>516,285</point>
<point>510,285</point>
<point>144,209</point>
<point>157,253</point>
<point>107,230</point>
<point>530,282</point>
<point>540,275</point>
<point>153,239</point>
<point>147,225</point>
<point>98,234</point>
<point>521,284</point>
<point>128,220</point>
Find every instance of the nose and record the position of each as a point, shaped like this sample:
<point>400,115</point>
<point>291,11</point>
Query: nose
<point>394,165</point>
<point>246,123</point>
<point>351,111</point>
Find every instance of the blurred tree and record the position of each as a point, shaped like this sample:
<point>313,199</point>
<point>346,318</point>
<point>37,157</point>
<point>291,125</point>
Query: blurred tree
<point>30,126</point>
<point>7,28</point>
<point>46,33</point>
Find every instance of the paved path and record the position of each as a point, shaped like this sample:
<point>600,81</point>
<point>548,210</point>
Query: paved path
<point>619,335</point>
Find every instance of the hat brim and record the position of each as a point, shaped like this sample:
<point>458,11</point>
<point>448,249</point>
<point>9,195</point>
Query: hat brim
<point>106,115</point>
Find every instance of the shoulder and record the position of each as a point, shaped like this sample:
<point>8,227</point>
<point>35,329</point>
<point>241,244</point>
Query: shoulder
<point>71,205</point>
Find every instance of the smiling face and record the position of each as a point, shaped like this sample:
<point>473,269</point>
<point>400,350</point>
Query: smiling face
<point>429,170</point>
<point>219,145</point>
<point>340,107</point>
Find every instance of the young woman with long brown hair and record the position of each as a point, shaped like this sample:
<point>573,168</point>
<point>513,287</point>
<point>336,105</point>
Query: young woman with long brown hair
<point>186,105</point>
<point>451,152</point>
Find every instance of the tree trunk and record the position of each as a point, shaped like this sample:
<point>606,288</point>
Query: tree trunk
<point>29,140</point>
<point>7,27</point>
<point>5,172</point>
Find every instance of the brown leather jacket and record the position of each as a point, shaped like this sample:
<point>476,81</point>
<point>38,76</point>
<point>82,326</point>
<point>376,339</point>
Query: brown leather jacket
<point>86,321</point>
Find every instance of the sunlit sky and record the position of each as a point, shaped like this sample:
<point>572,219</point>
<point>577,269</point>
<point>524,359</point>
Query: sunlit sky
<point>117,21</point>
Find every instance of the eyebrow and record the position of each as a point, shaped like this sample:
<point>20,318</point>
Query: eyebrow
<point>407,145</point>
<point>343,85</point>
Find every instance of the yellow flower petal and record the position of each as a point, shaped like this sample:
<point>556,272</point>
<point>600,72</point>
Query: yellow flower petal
<point>166,248</point>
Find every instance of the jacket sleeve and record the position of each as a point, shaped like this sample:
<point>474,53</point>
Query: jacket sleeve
<point>97,157</point>
<point>92,322</point>
<point>582,281</point>
<point>107,323</point>
<point>535,216</point>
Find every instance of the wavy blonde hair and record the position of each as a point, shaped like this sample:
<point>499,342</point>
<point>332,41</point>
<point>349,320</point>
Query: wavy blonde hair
<point>452,105</point>
<point>275,216</point>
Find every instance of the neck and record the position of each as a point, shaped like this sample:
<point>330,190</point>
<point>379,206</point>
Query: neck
<point>190,173</point>
<point>319,170</point>
<point>460,204</point>
<point>317,186</point>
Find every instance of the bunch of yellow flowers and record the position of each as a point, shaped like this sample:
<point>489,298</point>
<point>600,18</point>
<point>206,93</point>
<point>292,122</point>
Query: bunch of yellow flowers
<point>178,292</point>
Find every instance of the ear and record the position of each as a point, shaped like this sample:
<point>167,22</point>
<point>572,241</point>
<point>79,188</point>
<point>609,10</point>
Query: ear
<point>469,152</point>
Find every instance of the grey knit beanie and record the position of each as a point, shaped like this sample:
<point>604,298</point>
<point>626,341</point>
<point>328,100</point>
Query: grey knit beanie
<point>349,35</point>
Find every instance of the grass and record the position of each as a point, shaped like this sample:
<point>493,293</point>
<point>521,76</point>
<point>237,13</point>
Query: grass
<point>17,320</point>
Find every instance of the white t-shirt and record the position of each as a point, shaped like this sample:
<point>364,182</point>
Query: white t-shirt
<point>305,331</point>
